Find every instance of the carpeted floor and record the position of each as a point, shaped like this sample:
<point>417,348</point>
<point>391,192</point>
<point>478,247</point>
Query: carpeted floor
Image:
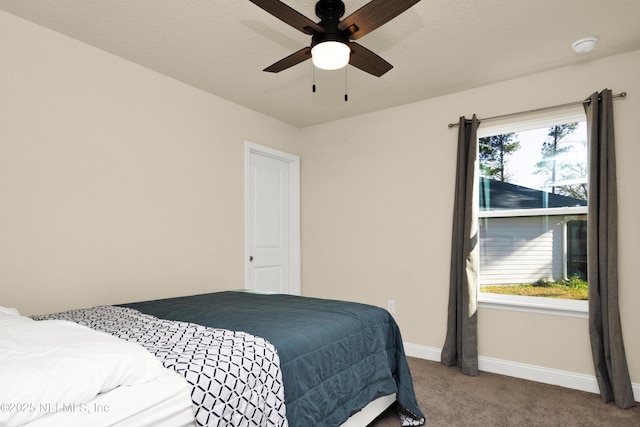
<point>451,399</point>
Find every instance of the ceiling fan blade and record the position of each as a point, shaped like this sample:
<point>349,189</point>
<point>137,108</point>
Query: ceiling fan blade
<point>364,59</point>
<point>291,60</point>
<point>373,15</point>
<point>289,16</point>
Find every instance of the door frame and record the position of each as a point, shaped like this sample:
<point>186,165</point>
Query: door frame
<point>294,211</point>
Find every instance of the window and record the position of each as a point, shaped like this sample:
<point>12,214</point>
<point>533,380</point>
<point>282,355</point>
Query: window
<point>577,248</point>
<point>533,212</point>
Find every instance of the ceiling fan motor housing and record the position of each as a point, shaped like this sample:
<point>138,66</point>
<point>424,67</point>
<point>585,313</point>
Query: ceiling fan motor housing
<point>330,12</point>
<point>329,37</point>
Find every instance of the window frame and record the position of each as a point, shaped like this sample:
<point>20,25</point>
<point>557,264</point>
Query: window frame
<point>541,305</point>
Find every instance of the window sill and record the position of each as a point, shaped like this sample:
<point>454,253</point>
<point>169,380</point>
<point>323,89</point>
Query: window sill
<point>552,306</point>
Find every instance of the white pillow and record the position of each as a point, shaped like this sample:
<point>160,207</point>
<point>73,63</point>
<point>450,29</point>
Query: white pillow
<point>56,362</point>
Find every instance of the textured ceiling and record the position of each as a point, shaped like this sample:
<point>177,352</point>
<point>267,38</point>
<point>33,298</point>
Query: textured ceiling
<point>436,47</point>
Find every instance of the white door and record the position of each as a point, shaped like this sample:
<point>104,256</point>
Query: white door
<point>272,220</point>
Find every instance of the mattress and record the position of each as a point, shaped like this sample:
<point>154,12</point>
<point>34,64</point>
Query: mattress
<point>162,402</point>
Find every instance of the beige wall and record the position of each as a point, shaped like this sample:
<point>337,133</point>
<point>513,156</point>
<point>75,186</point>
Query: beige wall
<point>116,183</point>
<point>377,205</point>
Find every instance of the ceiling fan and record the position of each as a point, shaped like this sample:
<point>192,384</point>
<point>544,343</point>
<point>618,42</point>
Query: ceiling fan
<point>331,46</point>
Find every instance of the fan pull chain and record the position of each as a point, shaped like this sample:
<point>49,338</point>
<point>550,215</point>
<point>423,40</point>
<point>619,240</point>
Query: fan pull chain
<point>346,94</point>
<point>313,87</point>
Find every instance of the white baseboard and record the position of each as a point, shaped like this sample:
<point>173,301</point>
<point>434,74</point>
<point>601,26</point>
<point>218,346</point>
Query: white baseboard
<point>422,351</point>
<point>521,370</point>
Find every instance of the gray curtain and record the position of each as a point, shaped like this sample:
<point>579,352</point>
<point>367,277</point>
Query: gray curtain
<point>602,245</point>
<point>461,344</point>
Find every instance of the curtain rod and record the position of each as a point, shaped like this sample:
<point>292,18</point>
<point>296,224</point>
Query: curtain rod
<point>537,110</point>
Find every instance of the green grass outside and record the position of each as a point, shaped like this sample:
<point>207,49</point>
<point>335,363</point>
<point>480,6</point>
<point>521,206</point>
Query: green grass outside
<point>573,288</point>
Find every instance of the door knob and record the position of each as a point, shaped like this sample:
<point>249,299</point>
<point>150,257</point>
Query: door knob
<point>250,258</point>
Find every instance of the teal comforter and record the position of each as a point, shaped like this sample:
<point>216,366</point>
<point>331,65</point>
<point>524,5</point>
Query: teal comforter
<point>335,356</point>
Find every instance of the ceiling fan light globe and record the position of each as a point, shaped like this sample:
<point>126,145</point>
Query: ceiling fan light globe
<point>330,55</point>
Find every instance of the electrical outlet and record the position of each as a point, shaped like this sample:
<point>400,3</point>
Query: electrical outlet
<point>391,306</point>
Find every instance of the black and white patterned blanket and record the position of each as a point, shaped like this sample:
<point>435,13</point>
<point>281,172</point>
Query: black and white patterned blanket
<point>235,376</point>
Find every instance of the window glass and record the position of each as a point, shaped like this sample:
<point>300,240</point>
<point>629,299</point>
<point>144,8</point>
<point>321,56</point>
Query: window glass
<point>533,211</point>
<point>577,248</point>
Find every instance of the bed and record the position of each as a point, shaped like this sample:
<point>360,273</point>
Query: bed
<point>329,359</point>
<point>58,373</point>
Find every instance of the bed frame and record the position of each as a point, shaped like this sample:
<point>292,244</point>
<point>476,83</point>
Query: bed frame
<point>370,412</point>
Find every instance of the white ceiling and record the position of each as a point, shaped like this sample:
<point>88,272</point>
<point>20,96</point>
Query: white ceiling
<point>436,47</point>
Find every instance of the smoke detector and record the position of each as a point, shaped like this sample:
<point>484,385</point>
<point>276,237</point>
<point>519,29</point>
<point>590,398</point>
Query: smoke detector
<point>584,45</point>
